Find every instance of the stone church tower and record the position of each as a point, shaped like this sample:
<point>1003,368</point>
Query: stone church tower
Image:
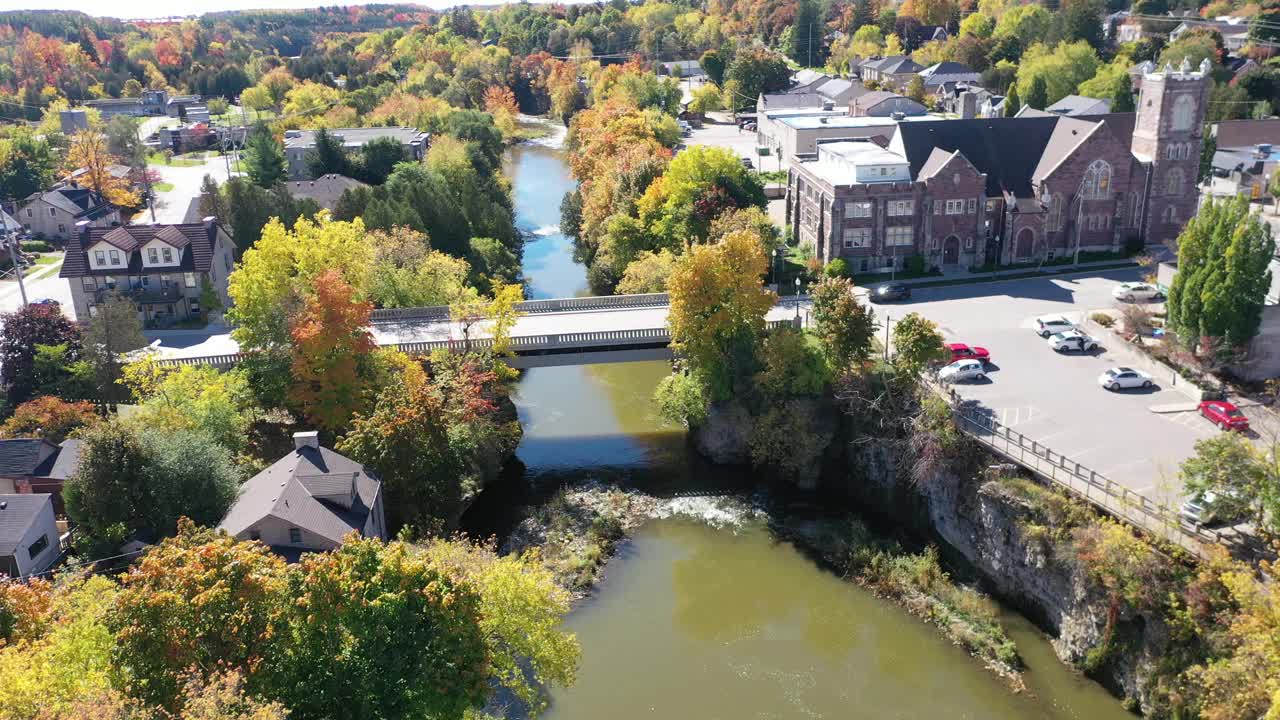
<point>1167,138</point>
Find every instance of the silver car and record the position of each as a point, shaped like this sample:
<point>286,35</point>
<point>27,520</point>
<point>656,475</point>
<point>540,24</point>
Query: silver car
<point>963,371</point>
<point>1123,378</point>
<point>1047,325</point>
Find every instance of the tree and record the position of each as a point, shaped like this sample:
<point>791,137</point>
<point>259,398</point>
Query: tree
<point>361,641</point>
<point>700,184</point>
<point>192,397</point>
<point>23,331</point>
<point>915,88</point>
<point>264,159</point>
<point>1038,98</point>
<point>48,417</point>
<point>916,343</point>
<point>1224,253</point>
<point>713,64</point>
<point>706,99</point>
<point>327,156</point>
<point>201,599</point>
<point>1122,100</point>
<point>844,326</point>
<point>331,343</point>
<point>718,304</point>
<point>1273,187</point>
<point>26,166</point>
<point>123,141</point>
<point>1012,103</point>
<point>1027,23</point>
<point>1083,21</point>
<point>432,441</point>
<point>978,25</point>
<point>754,72</point>
<point>112,331</point>
<point>807,34</point>
<point>648,273</point>
<point>1228,466</point>
<point>378,158</point>
<point>491,262</point>
<point>88,150</point>
<point>143,481</point>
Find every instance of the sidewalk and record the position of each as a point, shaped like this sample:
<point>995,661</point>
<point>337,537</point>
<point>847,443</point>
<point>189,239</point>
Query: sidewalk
<point>964,277</point>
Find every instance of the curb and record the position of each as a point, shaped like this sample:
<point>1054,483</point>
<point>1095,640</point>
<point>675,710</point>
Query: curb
<point>1173,408</point>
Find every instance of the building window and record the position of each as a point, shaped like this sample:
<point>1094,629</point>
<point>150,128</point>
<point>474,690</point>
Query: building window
<point>859,209</point>
<point>254,534</point>
<point>968,243</point>
<point>31,213</point>
<point>62,229</point>
<point>39,546</point>
<point>1171,214</point>
<point>115,257</point>
<point>1175,181</point>
<point>153,256</point>
<point>955,207</point>
<point>88,283</point>
<point>189,279</point>
<point>900,207</point>
<point>295,536</point>
<point>937,208</point>
<point>99,257</point>
<point>53,212</point>
<point>973,205</point>
<point>1097,180</point>
<point>226,260</point>
<point>856,238</point>
<point>168,255</point>
<point>1184,110</point>
<point>146,281</point>
<point>898,236</point>
<point>1133,210</point>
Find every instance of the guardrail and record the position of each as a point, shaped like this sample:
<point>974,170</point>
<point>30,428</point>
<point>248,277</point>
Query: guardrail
<point>1083,482</point>
<point>529,307</point>
<point>521,344</point>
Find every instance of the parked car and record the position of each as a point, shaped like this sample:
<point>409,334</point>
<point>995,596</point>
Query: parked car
<point>1047,325</point>
<point>1213,509</point>
<point>46,301</point>
<point>746,163</point>
<point>1072,341</point>
<point>960,351</point>
<point>962,371</point>
<point>1224,414</point>
<point>890,291</point>
<point>1130,292</point>
<point>1123,378</point>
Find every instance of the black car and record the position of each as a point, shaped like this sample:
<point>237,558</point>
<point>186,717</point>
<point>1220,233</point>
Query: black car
<point>889,292</point>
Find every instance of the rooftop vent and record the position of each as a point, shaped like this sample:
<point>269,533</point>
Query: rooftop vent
<point>306,439</point>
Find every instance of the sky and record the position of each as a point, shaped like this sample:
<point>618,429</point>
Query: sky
<point>133,9</point>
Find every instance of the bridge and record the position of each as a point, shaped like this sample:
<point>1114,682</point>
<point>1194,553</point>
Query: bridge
<point>562,331</point>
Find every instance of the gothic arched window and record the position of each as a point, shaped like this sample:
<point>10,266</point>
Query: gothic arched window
<point>1184,110</point>
<point>1097,181</point>
<point>1175,181</point>
<point>1055,212</point>
<point>1133,210</point>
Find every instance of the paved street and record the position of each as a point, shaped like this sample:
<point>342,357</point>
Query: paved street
<point>46,285</point>
<point>171,206</point>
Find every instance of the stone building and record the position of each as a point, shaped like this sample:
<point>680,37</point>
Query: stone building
<point>963,193</point>
<point>297,143</point>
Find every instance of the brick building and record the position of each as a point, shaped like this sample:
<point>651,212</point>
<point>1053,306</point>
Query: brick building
<point>961,193</point>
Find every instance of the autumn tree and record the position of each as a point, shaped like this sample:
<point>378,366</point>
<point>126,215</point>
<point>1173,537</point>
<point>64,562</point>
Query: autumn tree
<point>88,151</point>
<point>24,330</point>
<point>500,102</point>
<point>192,397</point>
<point>1238,474</point>
<point>111,331</point>
<point>845,327</point>
<point>718,306</point>
<point>331,343</point>
<point>48,417</point>
<point>27,164</point>
<point>916,343</point>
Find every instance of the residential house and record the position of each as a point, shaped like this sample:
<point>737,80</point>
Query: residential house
<point>54,213</point>
<point>324,190</point>
<point>948,72</point>
<point>882,103</point>
<point>1073,105</point>
<point>964,192</point>
<point>162,268</point>
<point>297,143</point>
<point>1234,30</point>
<point>992,107</point>
<point>1238,67</point>
<point>780,101</point>
<point>35,465</point>
<point>681,68</point>
<point>308,501</point>
<point>890,72</point>
<point>1247,154</point>
<point>839,92</point>
<point>28,535</point>
<point>807,81</point>
<point>961,99</point>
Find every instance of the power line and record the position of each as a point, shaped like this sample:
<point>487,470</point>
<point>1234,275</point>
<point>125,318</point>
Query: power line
<point>69,566</point>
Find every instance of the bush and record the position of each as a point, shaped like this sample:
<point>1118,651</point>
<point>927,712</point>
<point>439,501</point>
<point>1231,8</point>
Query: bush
<point>914,264</point>
<point>37,246</point>
<point>837,268</point>
<point>1103,319</point>
<point>682,398</point>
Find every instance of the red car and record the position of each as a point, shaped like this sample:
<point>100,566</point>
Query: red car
<point>1224,415</point>
<point>960,351</point>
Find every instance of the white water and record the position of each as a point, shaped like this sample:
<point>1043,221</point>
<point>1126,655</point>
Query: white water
<point>553,140</point>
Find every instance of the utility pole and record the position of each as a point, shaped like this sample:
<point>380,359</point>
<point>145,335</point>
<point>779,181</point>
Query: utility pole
<point>9,237</point>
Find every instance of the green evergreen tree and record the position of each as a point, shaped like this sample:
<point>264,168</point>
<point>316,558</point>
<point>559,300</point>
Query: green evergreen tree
<point>1038,95</point>
<point>1012,103</point>
<point>804,43</point>
<point>1224,254</point>
<point>327,156</point>
<point>264,157</point>
<point>1122,98</point>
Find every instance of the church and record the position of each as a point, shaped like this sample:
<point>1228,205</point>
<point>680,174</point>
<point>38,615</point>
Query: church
<point>965,193</point>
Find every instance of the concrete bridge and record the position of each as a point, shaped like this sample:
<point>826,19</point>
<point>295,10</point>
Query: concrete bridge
<point>564,331</point>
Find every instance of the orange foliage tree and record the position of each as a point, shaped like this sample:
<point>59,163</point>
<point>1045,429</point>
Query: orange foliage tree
<point>88,150</point>
<point>331,342</point>
<point>48,417</point>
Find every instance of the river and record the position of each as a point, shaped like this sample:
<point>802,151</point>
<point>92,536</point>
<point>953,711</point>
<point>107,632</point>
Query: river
<point>701,619</point>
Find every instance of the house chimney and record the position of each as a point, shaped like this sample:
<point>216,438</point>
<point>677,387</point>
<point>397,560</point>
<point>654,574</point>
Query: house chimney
<point>306,439</point>
<point>82,229</point>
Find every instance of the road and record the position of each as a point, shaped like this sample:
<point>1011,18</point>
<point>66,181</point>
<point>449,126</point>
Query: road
<point>47,284</point>
<point>171,206</point>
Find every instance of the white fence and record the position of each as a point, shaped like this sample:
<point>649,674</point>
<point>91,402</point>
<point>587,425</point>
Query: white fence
<point>528,307</point>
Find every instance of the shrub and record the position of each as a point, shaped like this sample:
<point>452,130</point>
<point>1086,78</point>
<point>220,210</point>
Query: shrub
<point>682,398</point>
<point>1103,319</point>
<point>37,246</point>
<point>837,268</point>
<point>914,264</point>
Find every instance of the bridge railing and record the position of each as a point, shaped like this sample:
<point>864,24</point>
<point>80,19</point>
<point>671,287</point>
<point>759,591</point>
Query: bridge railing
<point>528,307</point>
<point>1139,511</point>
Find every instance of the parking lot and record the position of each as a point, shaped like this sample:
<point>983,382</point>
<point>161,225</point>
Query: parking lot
<point>1055,399</point>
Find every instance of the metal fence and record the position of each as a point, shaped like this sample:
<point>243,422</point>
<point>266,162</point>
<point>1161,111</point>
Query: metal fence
<point>528,307</point>
<point>1156,519</point>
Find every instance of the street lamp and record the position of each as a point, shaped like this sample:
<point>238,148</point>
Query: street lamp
<point>777,267</point>
<point>797,301</point>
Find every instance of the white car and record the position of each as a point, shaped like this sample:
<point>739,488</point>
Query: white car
<point>1047,325</point>
<point>1072,341</point>
<point>1129,292</point>
<point>1123,378</point>
<point>962,371</point>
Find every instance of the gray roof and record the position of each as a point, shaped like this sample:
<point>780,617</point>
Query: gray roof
<point>20,511</point>
<point>66,460</point>
<point>1247,133</point>
<point>310,488</point>
<point>356,137</point>
<point>25,456</point>
<point>773,101</point>
<point>325,190</point>
<point>1079,105</point>
<point>839,88</point>
<point>688,68</point>
<point>894,64</point>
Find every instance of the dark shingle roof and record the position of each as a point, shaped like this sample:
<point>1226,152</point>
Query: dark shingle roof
<point>324,190</point>
<point>24,456</point>
<point>1006,149</point>
<point>19,512</point>
<point>198,259</point>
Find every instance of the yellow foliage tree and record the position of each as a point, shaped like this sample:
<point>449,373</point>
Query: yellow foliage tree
<point>88,150</point>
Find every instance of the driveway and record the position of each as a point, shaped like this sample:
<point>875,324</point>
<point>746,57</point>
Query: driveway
<point>171,206</point>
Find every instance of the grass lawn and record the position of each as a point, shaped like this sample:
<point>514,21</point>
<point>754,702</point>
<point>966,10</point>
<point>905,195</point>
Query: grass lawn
<point>50,259</point>
<point>162,187</point>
